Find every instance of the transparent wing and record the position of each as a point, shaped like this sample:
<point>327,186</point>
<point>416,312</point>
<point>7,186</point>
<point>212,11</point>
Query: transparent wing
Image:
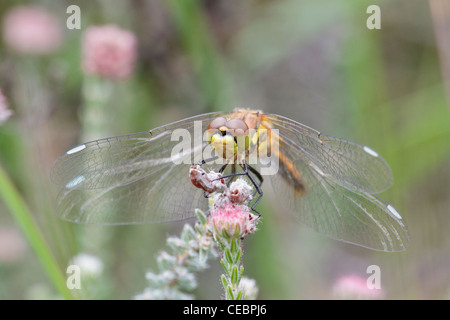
<point>124,159</point>
<point>359,218</point>
<point>346,163</point>
<point>138,178</point>
<point>165,195</point>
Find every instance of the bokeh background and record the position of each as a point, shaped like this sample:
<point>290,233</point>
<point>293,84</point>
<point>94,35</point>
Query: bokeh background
<point>313,61</point>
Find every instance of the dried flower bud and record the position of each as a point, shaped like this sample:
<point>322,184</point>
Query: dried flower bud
<point>240,192</point>
<point>209,182</point>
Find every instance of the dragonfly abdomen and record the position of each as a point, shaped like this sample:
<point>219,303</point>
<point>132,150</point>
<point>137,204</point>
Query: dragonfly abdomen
<point>291,175</point>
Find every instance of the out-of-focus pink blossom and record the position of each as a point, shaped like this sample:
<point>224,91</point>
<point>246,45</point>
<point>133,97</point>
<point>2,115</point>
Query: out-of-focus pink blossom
<point>355,287</point>
<point>5,113</point>
<point>12,245</point>
<point>31,30</point>
<point>109,51</point>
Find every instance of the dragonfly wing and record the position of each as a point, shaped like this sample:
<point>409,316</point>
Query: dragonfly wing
<point>165,195</point>
<point>359,218</point>
<point>137,178</point>
<point>121,160</point>
<point>347,163</point>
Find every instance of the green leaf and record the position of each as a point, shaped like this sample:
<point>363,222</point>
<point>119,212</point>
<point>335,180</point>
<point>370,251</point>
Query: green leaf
<point>238,255</point>
<point>227,255</point>
<point>234,245</point>
<point>24,219</point>
<point>224,281</point>
<point>240,295</point>
<point>234,275</point>
<point>237,232</point>
<point>229,293</point>
<point>241,273</point>
<point>226,267</point>
<point>202,255</point>
<point>201,216</point>
<point>188,233</point>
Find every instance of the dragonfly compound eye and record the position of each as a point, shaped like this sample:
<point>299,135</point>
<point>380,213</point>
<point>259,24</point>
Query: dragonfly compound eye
<point>217,123</point>
<point>237,127</point>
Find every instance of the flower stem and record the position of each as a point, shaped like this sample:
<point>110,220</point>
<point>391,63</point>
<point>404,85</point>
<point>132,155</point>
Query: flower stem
<point>231,262</point>
<point>94,115</point>
<point>230,220</point>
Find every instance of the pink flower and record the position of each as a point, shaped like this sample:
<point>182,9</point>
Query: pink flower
<point>355,287</point>
<point>31,30</point>
<point>232,220</point>
<point>109,51</point>
<point>5,113</point>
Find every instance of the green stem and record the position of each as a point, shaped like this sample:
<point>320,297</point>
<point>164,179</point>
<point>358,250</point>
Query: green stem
<point>231,262</point>
<point>95,119</point>
<point>23,217</point>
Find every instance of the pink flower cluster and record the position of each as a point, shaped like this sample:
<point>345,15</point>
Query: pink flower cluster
<point>109,51</point>
<point>5,113</point>
<point>232,220</point>
<point>31,30</point>
<point>230,214</point>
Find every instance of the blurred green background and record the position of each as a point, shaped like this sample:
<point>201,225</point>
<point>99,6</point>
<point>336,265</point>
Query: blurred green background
<point>313,61</point>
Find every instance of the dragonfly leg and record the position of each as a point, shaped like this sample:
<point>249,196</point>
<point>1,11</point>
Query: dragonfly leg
<point>232,175</point>
<point>258,176</point>
<point>207,160</point>
<point>246,172</point>
<point>233,172</point>
<point>233,169</point>
<point>246,168</point>
<point>222,169</point>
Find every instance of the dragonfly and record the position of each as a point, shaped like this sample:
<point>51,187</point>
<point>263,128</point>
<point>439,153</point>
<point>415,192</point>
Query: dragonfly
<point>326,183</point>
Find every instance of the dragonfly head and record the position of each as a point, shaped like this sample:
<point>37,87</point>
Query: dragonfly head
<point>227,137</point>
